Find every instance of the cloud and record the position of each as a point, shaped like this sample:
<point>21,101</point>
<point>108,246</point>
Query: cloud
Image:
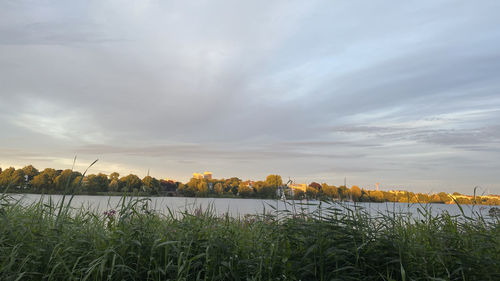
<point>304,88</point>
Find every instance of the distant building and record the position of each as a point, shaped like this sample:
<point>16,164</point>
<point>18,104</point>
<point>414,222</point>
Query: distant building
<point>398,191</point>
<point>298,186</point>
<point>197,176</point>
<point>207,175</point>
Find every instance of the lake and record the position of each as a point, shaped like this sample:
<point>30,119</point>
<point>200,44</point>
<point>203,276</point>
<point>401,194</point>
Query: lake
<point>239,207</point>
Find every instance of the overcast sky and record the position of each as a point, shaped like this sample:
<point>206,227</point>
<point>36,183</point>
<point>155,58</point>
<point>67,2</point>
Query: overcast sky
<point>405,94</point>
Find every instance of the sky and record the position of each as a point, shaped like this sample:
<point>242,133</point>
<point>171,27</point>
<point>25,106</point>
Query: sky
<point>406,94</point>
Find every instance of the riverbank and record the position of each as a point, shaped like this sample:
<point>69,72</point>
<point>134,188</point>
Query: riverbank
<point>133,242</point>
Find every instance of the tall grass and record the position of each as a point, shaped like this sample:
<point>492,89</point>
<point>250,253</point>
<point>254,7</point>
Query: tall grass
<point>47,241</point>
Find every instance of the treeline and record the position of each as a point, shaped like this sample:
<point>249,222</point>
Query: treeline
<point>273,187</point>
<point>29,179</point>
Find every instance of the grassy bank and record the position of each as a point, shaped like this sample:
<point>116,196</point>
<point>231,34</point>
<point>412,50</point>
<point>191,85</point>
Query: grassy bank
<point>51,242</point>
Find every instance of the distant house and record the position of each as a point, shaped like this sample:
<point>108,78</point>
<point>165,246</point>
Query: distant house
<point>205,175</point>
<point>298,186</point>
<point>291,190</point>
<point>197,176</point>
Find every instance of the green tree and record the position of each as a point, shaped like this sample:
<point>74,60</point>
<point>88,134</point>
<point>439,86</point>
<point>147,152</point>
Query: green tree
<point>422,198</point>
<point>97,183</point>
<point>244,190</point>
<point>444,197</point>
<point>192,185</point>
<point>258,185</point>
<point>299,194</point>
<point>31,172</point>
<point>330,190</point>
<point>231,185</point>
<point>45,180</point>
<point>187,190</point>
<point>463,200</point>
<point>18,180</point>
<point>376,196</point>
<point>315,185</point>
<point>151,184</point>
<point>389,196</point>
<point>355,193</point>
<point>274,181</point>
<point>65,179</point>
<point>6,177</point>
<point>343,192</point>
<point>114,176</point>
<point>130,183</point>
<point>114,185</point>
<point>311,192</point>
<point>219,188</point>
<point>435,198</point>
<point>268,188</point>
<point>77,181</point>
<point>202,187</point>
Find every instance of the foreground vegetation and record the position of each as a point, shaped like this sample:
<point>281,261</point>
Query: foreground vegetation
<point>51,181</point>
<point>49,241</point>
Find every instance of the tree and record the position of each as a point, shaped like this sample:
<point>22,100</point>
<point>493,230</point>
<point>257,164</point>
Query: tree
<point>315,185</point>
<point>343,192</point>
<point>114,185</point>
<point>77,181</point>
<point>231,185</point>
<point>114,176</point>
<point>263,190</point>
<point>17,179</point>
<point>30,171</point>
<point>151,184</point>
<point>5,177</point>
<point>444,197</point>
<point>65,179</point>
<point>202,187</point>
<point>97,183</point>
<point>258,185</point>
<point>330,190</point>
<point>274,181</point>
<point>311,192</point>
<point>376,196</point>
<point>45,180</point>
<point>298,194</point>
<point>390,197</point>
<point>423,198</point>
<point>244,190</point>
<point>167,185</point>
<point>192,186</point>
<point>130,183</point>
<point>187,190</point>
<point>218,188</point>
<point>435,198</point>
<point>355,193</point>
<point>463,200</point>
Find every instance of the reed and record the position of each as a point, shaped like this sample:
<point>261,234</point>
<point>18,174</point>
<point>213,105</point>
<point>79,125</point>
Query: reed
<point>51,241</point>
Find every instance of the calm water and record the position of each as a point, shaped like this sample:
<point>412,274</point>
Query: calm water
<point>238,207</point>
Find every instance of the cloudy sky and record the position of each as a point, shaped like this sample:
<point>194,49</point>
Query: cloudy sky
<point>405,94</point>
